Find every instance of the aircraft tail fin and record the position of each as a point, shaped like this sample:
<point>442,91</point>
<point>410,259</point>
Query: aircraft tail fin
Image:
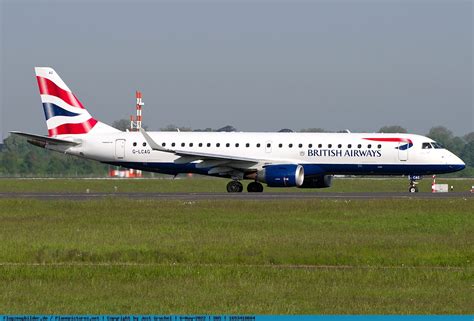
<point>64,113</point>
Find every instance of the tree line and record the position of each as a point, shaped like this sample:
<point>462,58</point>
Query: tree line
<point>19,158</point>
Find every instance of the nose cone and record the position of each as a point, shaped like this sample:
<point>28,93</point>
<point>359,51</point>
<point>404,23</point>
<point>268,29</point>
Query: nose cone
<point>455,163</point>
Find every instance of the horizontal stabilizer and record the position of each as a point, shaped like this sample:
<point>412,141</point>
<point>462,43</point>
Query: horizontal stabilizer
<point>45,139</point>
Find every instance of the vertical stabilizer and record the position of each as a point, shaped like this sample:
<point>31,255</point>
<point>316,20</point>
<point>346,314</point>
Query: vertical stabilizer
<point>64,113</point>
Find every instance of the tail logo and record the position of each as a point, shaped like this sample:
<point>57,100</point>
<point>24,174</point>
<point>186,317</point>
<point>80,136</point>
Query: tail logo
<point>64,113</point>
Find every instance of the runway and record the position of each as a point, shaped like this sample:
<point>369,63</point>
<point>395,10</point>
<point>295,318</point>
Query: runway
<point>237,196</point>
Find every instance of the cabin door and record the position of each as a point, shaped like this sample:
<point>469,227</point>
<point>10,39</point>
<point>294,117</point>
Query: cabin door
<point>403,151</point>
<point>119,148</point>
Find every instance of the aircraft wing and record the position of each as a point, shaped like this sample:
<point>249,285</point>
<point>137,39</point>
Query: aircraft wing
<point>197,155</point>
<point>217,162</point>
<point>216,156</point>
<point>43,140</point>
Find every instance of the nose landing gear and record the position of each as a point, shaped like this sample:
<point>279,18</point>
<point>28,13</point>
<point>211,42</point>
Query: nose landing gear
<point>413,188</point>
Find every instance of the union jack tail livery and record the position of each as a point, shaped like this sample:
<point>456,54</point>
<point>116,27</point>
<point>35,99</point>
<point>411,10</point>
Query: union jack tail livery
<point>64,113</point>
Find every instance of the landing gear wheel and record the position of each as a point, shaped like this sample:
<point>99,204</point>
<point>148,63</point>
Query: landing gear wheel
<point>235,187</point>
<point>255,187</point>
<point>413,188</point>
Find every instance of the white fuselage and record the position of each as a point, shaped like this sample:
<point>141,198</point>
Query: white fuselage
<point>318,153</point>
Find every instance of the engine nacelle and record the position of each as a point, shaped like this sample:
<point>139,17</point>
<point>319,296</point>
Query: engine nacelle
<point>317,181</point>
<point>285,175</point>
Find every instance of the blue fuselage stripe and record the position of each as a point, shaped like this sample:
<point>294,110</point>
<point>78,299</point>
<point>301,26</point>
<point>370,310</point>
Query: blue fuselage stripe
<point>309,169</point>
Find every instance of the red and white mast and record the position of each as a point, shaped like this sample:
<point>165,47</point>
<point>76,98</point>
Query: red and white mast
<point>136,124</point>
<point>138,95</point>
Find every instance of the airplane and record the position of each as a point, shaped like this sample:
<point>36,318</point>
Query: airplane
<point>279,159</point>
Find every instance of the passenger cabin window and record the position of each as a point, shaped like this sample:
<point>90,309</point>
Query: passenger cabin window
<point>300,145</point>
<point>339,146</point>
<point>379,146</point>
<point>280,145</point>
<point>359,146</point>
<point>329,145</point>
<point>173,144</point>
<point>426,146</point>
<point>182,144</point>
<point>290,145</point>
<point>164,144</point>
<point>227,145</point>
<point>135,144</point>
<point>369,146</point>
<point>190,144</point>
<point>200,144</point>
<point>247,145</point>
<point>269,145</point>
<point>258,145</point>
<point>236,144</point>
<point>320,145</point>
<point>218,145</point>
<point>208,144</point>
<point>144,144</point>
<point>349,146</point>
<point>310,145</point>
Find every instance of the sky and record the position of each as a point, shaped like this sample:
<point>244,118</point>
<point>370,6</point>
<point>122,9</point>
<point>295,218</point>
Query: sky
<point>256,65</point>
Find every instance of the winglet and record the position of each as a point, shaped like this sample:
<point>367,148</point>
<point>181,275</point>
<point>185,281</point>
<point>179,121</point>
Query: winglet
<point>153,144</point>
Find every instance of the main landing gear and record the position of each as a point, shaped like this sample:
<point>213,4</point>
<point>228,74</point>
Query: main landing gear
<point>413,188</point>
<point>237,187</point>
<point>255,187</point>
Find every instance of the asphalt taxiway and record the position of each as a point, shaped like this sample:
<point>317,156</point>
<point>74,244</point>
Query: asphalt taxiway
<point>236,196</point>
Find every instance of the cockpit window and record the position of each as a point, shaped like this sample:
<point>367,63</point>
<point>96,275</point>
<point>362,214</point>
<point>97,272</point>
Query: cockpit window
<point>426,146</point>
<point>437,145</point>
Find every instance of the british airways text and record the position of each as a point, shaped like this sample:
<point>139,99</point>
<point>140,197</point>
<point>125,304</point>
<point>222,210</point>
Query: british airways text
<point>341,153</point>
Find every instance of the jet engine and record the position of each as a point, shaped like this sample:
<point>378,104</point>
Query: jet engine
<point>285,175</point>
<point>317,181</point>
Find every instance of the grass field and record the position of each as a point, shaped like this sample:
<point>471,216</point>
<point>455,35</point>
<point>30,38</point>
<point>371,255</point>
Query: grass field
<point>303,257</point>
<point>213,185</point>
